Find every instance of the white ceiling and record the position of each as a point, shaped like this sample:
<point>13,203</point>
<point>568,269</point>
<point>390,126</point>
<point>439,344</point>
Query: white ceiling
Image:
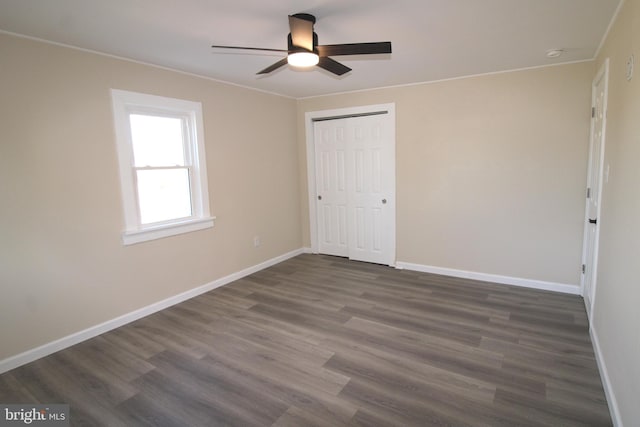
<point>432,39</point>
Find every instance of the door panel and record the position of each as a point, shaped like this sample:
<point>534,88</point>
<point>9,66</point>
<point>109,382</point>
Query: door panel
<point>376,241</point>
<point>374,170</point>
<point>360,228</point>
<point>332,185</point>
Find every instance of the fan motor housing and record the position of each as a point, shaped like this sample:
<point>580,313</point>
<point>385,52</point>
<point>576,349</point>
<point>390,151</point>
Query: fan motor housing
<point>292,49</point>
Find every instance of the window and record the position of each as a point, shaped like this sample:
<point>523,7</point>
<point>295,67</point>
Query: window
<point>162,165</point>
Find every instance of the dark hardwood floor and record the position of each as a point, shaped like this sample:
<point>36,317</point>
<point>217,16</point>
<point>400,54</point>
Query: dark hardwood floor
<point>323,341</point>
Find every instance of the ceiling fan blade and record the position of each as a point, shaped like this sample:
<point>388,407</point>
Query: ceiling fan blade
<point>273,67</point>
<point>301,26</point>
<point>333,66</point>
<point>249,48</point>
<point>354,49</point>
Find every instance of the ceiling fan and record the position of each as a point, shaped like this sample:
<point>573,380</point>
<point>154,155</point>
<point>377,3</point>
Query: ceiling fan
<point>303,49</point>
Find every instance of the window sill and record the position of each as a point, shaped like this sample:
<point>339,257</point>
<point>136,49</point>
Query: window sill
<point>132,237</point>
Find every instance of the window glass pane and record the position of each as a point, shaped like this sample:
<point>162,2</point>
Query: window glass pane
<point>163,194</point>
<point>157,141</point>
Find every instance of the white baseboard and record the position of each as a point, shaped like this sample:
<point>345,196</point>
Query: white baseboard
<point>62,343</point>
<point>614,411</point>
<point>505,280</point>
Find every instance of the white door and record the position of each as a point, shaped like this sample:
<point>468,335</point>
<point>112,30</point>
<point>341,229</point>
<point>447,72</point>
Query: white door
<point>371,202</point>
<point>330,152</point>
<point>594,185</point>
<point>355,180</point>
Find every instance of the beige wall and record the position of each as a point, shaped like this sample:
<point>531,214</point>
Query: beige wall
<point>491,170</point>
<point>62,265</point>
<point>616,318</point>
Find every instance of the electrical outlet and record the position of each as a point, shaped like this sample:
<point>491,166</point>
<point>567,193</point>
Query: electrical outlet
<point>256,241</point>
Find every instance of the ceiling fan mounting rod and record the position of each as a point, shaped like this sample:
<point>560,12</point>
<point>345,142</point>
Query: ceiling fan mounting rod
<point>305,17</point>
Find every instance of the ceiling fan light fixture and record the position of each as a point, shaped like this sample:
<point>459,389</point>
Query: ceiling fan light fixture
<point>303,59</point>
<point>303,50</point>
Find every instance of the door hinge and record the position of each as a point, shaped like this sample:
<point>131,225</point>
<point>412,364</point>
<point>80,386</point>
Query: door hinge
<point>588,193</point>
<point>584,268</point>
<point>593,112</point>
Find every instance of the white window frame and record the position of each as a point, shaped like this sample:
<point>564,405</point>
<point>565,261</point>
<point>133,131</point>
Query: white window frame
<point>126,103</point>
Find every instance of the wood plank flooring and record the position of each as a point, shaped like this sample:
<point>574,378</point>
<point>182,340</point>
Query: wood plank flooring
<point>324,341</point>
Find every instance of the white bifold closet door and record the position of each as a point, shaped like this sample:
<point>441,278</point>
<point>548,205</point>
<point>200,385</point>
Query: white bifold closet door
<point>355,180</point>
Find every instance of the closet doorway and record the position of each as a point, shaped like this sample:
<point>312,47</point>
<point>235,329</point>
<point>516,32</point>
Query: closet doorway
<point>351,175</point>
